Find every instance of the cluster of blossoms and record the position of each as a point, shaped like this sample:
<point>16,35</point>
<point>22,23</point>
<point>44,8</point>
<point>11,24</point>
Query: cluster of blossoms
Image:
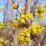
<point>1,25</point>
<point>22,10</point>
<point>2,41</point>
<point>24,21</point>
<point>15,6</point>
<point>36,29</point>
<point>24,36</point>
<point>40,11</point>
<point>21,21</point>
<point>2,8</point>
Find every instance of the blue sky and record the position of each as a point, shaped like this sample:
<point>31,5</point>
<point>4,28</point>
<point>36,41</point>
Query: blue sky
<point>2,4</point>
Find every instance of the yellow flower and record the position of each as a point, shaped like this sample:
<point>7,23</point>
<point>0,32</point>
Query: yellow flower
<point>22,44</point>
<point>42,5</point>
<point>2,8</point>
<point>39,19</point>
<point>1,44</point>
<point>14,6</point>
<point>5,42</point>
<point>22,10</point>
<point>35,28</point>
<point>44,13</point>
<point>1,40</point>
<point>42,9</point>
<point>26,18</point>
<point>18,18</point>
<point>1,25</point>
<point>4,30</point>
<point>24,36</point>
<point>37,5</point>
<point>23,21</point>
<point>39,12</point>
<point>11,43</point>
<point>38,26</point>
<point>30,16</point>
<point>22,16</point>
<point>27,14</point>
<point>36,13</point>
<point>39,30</point>
<point>15,23</point>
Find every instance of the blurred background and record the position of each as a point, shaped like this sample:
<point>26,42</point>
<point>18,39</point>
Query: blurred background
<point>8,14</point>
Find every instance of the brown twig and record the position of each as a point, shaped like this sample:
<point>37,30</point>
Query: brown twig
<point>35,40</point>
<point>18,11</point>
<point>35,6</point>
<point>13,1</point>
<point>33,37</point>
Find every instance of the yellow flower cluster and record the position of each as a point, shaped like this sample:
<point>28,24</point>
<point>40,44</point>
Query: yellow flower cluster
<point>2,8</point>
<point>22,19</point>
<point>5,42</point>
<point>1,44</point>
<point>1,25</point>
<point>15,23</point>
<point>24,36</point>
<point>11,43</point>
<point>14,6</point>
<point>2,41</point>
<point>35,28</point>
<point>22,10</point>
<point>39,12</point>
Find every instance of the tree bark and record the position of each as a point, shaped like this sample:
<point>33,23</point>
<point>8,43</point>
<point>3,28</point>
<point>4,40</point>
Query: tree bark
<point>27,6</point>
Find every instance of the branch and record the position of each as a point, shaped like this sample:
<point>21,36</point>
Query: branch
<point>35,6</point>
<point>13,1</point>
<point>18,11</point>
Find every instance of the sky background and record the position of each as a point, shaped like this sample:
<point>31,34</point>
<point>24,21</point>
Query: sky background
<point>3,2</point>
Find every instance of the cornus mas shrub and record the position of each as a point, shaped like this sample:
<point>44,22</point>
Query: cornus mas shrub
<point>23,22</point>
<point>28,30</point>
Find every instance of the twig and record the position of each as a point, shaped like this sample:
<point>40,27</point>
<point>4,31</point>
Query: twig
<point>35,41</point>
<point>35,6</point>
<point>18,11</point>
<point>13,1</point>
